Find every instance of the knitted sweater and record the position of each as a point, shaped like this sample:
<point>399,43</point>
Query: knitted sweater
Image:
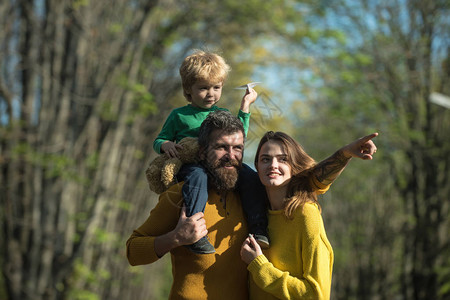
<point>221,275</point>
<point>185,121</point>
<point>299,263</point>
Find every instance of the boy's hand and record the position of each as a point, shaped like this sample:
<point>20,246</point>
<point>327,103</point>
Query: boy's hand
<point>170,149</point>
<point>249,97</point>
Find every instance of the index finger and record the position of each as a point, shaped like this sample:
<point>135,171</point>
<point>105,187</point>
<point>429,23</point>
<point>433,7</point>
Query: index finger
<point>253,241</point>
<point>368,137</point>
<point>197,216</point>
<point>183,212</point>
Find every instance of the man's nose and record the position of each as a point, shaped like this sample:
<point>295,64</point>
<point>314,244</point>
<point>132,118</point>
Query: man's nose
<point>230,153</point>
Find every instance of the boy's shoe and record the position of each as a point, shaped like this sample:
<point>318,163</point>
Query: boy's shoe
<point>202,246</point>
<point>262,240</point>
<point>259,232</point>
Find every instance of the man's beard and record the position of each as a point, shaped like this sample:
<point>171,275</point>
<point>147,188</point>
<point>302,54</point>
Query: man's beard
<point>221,178</point>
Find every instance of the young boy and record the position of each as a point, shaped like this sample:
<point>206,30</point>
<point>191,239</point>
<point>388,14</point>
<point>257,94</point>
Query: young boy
<point>203,75</point>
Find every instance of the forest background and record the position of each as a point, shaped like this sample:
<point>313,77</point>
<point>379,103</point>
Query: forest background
<point>85,86</point>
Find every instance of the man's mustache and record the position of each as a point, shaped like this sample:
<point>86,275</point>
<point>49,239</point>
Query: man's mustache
<point>229,163</point>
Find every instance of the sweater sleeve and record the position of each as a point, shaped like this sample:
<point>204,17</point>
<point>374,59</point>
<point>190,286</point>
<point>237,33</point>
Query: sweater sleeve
<point>168,132</point>
<point>316,280</point>
<point>245,119</point>
<point>163,218</point>
<point>319,187</point>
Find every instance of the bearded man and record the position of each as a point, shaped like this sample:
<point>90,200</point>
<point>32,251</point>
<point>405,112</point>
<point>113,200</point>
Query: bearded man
<point>220,275</point>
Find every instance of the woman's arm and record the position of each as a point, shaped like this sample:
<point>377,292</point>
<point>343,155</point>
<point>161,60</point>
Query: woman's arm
<point>329,169</point>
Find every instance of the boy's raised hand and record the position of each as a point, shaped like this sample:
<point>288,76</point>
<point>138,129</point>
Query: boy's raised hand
<point>249,97</point>
<point>170,149</point>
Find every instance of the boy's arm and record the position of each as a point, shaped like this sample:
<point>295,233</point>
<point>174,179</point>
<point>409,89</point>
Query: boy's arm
<point>168,132</point>
<point>244,111</point>
<point>329,169</point>
<point>248,99</point>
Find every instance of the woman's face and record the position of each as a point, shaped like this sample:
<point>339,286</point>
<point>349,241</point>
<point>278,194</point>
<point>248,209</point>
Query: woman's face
<point>273,167</point>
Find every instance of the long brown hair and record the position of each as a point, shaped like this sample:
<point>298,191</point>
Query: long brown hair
<point>299,190</point>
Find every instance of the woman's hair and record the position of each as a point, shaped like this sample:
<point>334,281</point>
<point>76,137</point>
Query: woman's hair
<point>202,65</point>
<point>299,189</point>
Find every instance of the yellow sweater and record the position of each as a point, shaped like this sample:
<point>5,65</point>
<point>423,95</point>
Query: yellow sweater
<point>299,263</point>
<point>221,275</point>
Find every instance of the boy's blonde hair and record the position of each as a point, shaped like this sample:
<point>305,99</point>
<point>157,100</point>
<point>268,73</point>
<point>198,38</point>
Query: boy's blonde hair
<point>202,65</point>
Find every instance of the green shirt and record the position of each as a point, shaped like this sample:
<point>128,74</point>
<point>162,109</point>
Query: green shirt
<point>185,122</point>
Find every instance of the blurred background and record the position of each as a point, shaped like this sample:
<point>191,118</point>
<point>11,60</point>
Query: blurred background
<point>86,85</point>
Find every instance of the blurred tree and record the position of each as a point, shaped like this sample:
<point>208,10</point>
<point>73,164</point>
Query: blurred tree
<point>392,240</point>
<point>84,87</point>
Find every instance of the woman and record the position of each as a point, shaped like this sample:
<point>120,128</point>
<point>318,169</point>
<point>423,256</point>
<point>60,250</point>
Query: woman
<point>300,260</point>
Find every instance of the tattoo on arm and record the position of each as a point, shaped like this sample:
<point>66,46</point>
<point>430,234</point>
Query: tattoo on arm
<point>329,169</point>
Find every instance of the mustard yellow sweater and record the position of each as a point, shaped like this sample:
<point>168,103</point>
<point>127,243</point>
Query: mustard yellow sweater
<point>299,263</point>
<point>221,275</point>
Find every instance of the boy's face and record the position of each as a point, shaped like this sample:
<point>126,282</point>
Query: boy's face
<point>205,94</point>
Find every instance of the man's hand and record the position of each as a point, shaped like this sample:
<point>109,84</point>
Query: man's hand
<point>170,149</point>
<point>190,229</point>
<point>250,250</point>
<point>363,148</point>
<point>249,97</point>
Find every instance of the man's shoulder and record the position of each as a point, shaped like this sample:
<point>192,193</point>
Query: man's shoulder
<point>174,189</point>
<point>173,195</point>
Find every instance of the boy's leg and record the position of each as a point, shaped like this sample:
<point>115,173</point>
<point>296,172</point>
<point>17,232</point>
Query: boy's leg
<point>254,202</point>
<point>195,195</point>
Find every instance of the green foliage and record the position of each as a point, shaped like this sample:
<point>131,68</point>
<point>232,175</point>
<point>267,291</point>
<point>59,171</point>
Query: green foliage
<point>143,104</point>
<point>126,206</point>
<point>355,72</point>
<point>91,161</point>
<point>106,112</point>
<point>77,4</point>
<point>443,273</point>
<point>54,165</point>
<point>91,277</point>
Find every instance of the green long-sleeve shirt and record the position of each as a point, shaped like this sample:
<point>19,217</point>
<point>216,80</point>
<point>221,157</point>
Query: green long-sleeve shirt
<point>185,121</point>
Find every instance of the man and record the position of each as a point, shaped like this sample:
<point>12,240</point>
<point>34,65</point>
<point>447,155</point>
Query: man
<point>221,275</point>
